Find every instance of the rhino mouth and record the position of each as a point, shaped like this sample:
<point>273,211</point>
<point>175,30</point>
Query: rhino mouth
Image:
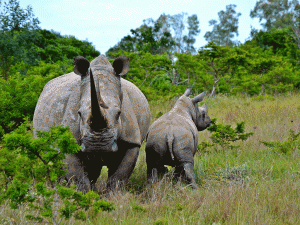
<point>99,143</point>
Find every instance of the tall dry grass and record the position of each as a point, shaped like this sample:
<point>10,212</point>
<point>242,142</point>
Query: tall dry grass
<point>248,185</point>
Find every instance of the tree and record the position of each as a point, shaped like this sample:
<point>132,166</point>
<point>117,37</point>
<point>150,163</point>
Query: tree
<point>220,61</point>
<point>184,42</point>
<point>277,14</point>
<point>194,30</point>
<point>16,35</point>
<point>191,71</point>
<point>156,36</point>
<point>223,32</point>
<point>149,37</point>
<point>14,18</point>
<point>272,72</point>
<point>9,49</point>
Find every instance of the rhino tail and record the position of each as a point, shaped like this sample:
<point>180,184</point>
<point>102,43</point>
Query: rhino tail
<point>170,139</point>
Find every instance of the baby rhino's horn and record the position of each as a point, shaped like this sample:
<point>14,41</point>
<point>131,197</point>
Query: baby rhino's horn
<point>199,97</point>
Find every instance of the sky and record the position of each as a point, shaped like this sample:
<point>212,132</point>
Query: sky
<point>106,22</point>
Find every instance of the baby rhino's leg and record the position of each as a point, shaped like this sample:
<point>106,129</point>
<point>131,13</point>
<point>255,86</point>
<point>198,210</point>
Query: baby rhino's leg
<point>153,172</point>
<point>190,175</point>
<point>184,150</point>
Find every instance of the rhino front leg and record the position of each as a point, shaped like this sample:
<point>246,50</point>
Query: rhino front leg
<point>189,173</point>
<point>76,173</point>
<point>119,173</point>
<point>84,170</point>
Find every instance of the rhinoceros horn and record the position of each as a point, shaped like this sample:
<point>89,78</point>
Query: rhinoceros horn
<point>199,97</point>
<point>121,65</point>
<point>97,120</point>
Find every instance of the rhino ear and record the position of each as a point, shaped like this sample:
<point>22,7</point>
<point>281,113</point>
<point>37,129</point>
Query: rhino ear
<point>187,92</point>
<point>199,98</point>
<point>121,65</point>
<point>81,65</point>
<point>204,106</point>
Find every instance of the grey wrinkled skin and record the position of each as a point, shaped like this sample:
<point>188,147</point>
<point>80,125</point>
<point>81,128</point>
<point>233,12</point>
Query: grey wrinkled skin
<point>173,139</point>
<point>108,116</point>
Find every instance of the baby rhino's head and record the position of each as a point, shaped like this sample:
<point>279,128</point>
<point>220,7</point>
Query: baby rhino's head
<point>202,119</point>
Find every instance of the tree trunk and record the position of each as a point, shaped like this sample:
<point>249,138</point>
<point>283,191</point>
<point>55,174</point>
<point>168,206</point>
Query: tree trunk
<point>263,92</point>
<point>214,88</point>
<point>263,89</point>
<point>213,91</point>
<point>174,81</point>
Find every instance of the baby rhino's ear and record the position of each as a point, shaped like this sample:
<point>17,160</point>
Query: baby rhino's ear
<point>204,106</point>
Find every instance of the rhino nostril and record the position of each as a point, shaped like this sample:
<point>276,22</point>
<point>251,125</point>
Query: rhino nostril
<point>118,115</point>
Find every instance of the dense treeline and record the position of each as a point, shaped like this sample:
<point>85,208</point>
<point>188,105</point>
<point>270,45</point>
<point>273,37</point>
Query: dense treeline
<point>268,64</point>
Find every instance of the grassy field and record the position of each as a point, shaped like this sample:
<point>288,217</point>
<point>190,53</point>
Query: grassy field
<point>248,185</point>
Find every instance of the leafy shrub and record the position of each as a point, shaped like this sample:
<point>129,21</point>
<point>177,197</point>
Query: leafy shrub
<point>18,97</point>
<point>286,147</point>
<point>225,135</point>
<point>20,93</point>
<point>36,183</point>
<point>263,97</point>
<point>160,221</point>
<point>138,208</point>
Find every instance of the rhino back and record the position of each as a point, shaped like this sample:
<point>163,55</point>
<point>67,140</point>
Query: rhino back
<point>183,143</point>
<point>54,99</point>
<point>173,123</point>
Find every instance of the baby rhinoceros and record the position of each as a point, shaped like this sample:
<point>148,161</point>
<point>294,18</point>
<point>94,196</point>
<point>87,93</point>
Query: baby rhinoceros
<point>173,139</point>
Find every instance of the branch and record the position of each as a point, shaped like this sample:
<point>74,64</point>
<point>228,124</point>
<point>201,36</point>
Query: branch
<point>54,157</point>
<point>147,76</point>
<point>182,82</point>
<point>166,71</point>
<point>38,155</point>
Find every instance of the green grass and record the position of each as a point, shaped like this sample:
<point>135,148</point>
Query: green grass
<point>248,185</point>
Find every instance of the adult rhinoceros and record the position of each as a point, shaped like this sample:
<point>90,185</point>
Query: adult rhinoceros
<point>108,116</point>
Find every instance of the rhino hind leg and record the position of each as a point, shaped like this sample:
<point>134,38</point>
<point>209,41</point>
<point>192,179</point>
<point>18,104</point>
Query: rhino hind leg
<point>178,173</point>
<point>155,172</point>
<point>189,175</point>
<point>186,172</point>
<point>120,172</point>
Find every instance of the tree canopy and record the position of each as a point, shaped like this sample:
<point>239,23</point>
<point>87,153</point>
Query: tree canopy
<point>276,14</point>
<point>224,31</point>
<point>166,34</point>
<point>21,40</point>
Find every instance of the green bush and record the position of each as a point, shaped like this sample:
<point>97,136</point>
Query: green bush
<point>18,98</point>
<point>36,183</point>
<point>287,147</point>
<point>224,135</point>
